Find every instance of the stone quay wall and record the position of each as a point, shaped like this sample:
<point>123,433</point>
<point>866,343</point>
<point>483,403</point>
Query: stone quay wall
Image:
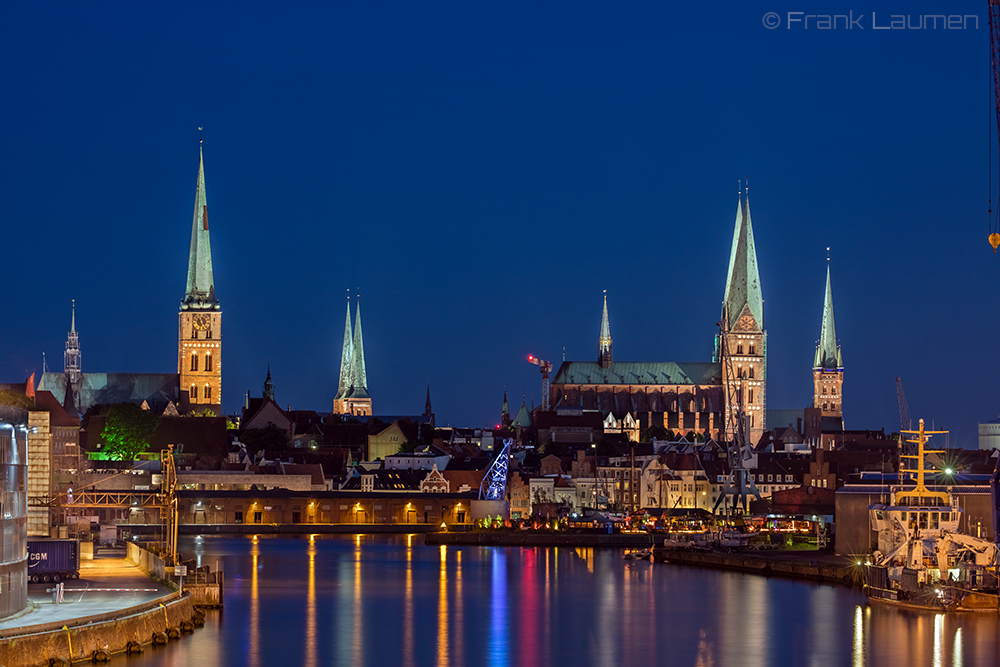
<point>80,639</point>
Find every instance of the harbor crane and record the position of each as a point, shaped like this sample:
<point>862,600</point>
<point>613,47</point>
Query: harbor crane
<point>994,12</point>
<point>545,367</point>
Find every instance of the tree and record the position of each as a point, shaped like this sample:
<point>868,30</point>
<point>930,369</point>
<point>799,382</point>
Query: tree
<point>128,429</point>
<point>268,438</point>
<point>16,399</point>
<point>657,432</point>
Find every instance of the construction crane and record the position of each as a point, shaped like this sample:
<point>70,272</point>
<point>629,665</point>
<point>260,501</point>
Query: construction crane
<point>994,12</point>
<point>545,367</point>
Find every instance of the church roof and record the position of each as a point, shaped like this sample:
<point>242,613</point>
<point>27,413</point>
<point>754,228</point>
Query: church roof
<point>828,352</point>
<point>742,279</point>
<point>157,389</point>
<point>523,419</point>
<point>639,372</point>
<point>200,291</point>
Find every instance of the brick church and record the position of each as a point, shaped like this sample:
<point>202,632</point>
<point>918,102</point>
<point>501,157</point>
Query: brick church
<point>703,397</point>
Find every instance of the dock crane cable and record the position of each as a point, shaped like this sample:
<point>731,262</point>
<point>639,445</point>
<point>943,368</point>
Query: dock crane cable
<point>994,14</point>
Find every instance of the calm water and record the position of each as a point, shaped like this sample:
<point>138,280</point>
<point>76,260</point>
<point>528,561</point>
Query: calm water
<point>391,600</point>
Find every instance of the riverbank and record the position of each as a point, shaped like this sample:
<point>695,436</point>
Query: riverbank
<point>530,538</point>
<point>297,528</point>
<point>822,567</point>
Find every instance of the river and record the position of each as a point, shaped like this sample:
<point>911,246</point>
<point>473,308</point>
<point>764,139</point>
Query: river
<point>392,600</point>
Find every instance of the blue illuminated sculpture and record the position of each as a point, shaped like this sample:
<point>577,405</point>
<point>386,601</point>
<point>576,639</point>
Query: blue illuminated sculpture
<point>494,486</point>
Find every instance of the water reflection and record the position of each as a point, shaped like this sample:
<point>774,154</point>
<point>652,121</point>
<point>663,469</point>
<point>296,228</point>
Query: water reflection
<point>499,651</point>
<point>311,640</point>
<point>442,621</point>
<point>408,606</point>
<point>392,600</point>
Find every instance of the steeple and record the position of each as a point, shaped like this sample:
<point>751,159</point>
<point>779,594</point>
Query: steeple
<point>604,343</point>
<point>269,385</point>
<point>72,356</point>
<point>427,405</point>
<point>828,354</point>
<point>742,280</point>
<point>200,292</point>
<point>346,357</point>
<point>358,375</point>
<point>505,411</point>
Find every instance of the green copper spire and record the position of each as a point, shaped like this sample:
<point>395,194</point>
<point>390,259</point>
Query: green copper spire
<point>358,375</point>
<point>742,280</point>
<point>346,358</point>
<point>828,352</point>
<point>200,293</point>
<point>604,343</point>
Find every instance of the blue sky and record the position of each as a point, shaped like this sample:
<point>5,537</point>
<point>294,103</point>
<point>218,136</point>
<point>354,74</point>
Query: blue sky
<point>481,172</point>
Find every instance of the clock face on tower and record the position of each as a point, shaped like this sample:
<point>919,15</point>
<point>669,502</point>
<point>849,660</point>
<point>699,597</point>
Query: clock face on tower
<point>202,322</point>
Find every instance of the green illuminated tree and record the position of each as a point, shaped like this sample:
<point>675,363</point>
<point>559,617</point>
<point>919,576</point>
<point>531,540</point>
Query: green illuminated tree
<point>128,430</point>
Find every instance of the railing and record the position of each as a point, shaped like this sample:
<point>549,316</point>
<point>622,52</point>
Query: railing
<point>146,561</point>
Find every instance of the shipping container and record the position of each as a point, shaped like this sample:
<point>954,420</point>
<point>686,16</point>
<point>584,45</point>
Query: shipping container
<point>52,559</point>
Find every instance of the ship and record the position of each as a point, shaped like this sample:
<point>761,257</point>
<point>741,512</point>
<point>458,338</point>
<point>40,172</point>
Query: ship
<point>923,560</point>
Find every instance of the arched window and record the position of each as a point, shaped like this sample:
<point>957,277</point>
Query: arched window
<point>208,361</point>
<point>751,349</point>
<point>751,371</point>
<point>739,348</point>
<point>751,395</point>
<point>194,361</point>
<point>194,392</point>
<point>208,391</point>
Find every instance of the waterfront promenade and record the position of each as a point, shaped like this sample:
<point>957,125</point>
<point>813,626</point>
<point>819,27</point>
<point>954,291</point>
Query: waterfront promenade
<point>104,572</point>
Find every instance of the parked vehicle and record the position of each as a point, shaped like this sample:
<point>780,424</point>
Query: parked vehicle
<point>51,559</point>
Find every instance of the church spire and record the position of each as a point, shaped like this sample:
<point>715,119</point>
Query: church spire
<point>742,280</point>
<point>72,356</point>
<point>604,343</point>
<point>200,292</point>
<point>358,375</point>
<point>346,357</point>
<point>828,354</point>
<point>268,384</point>
<point>427,406</point>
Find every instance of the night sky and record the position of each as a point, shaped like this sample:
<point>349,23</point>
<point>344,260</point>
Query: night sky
<point>481,171</point>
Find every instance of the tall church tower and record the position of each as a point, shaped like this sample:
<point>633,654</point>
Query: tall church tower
<point>352,391</point>
<point>828,364</point>
<point>743,346</point>
<point>604,358</point>
<point>199,335</point>
<point>72,357</point>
